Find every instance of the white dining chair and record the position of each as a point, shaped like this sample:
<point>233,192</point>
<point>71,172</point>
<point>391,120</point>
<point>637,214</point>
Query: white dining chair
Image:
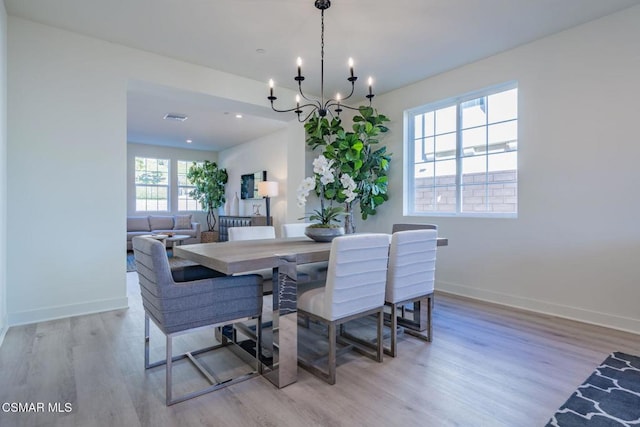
<point>252,233</point>
<point>354,287</point>
<point>294,229</point>
<point>316,270</point>
<point>257,232</point>
<point>404,227</point>
<point>410,277</point>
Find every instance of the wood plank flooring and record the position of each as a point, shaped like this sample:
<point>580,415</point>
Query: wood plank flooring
<point>487,366</point>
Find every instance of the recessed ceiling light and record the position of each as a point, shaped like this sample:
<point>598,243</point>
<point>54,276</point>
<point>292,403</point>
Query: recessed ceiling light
<point>238,116</point>
<point>260,50</point>
<point>175,116</point>
<point>189,141</point>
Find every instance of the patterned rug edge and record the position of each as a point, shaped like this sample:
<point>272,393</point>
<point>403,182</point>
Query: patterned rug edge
<point>609,397</point>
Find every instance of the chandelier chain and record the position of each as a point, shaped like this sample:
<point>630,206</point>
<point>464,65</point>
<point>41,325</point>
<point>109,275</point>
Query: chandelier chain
<point>322,57</point>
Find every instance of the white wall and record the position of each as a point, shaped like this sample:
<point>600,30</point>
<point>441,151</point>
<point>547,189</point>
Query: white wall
<point>571,252</point>
<point>3,172</point>
<point>574,249</point>
<point>173,154</point>
<point>281,154</point>
<point>67,157</point>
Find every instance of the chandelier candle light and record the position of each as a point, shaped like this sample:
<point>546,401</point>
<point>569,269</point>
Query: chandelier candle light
<point>320,106</point>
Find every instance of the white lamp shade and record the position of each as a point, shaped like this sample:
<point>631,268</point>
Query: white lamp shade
<point>268,189</point>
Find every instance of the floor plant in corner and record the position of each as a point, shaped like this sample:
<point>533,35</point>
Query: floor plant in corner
<point>209,188</point>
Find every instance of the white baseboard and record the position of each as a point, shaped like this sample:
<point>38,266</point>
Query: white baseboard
<point>60,312</point>
<point>573,313</point>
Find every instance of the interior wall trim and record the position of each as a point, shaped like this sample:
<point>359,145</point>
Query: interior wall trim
<point>63,311</point>
<point>607,320</point>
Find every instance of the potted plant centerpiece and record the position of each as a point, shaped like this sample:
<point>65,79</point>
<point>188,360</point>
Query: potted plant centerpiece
<point>327,186</point>
<point>209,182</point>
<point>363,168</point>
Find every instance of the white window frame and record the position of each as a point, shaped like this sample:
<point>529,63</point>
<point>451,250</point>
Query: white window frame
<point>188,187</point>
<point>409,155</point>
<point>167,186</point>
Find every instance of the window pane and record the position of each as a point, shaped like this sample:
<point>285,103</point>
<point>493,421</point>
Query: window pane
<point>504,162</point>
<point>446,168</point>
<point>418,151</point>
<point>163,165</point>
<point>474,170</point>
<point>429,149</point>
<point>418,127</point>
<point>429,125</point>
<point>446,146</point>
<point>185,202</point>
<point>445,199</point>
<point>474,198</point>
<point>474,112</point>
<point>502,198</point>
<point>424,170</point>
<point>446,120</point>
<point>182,167</point>
<point>503,106</point>
<point>424,195</point>
<point>424,199</point>
<point>501,134</point>
<point>474,141</point>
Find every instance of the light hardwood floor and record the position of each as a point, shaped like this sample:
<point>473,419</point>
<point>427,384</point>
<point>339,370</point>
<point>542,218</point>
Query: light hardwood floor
<point>487,366</point>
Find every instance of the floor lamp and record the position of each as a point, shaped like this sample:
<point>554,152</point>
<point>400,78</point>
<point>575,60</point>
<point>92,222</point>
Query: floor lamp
<point>268,189</point>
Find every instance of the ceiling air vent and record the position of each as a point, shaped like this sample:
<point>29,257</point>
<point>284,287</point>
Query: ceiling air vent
<point>174,116</point>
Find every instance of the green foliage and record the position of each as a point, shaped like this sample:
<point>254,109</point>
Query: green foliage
<point>354,154</point>
<point>326,216</point>
<point>152,177</point>
<point>209,182</point>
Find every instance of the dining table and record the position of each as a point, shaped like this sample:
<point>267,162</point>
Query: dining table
<point>283,256</point>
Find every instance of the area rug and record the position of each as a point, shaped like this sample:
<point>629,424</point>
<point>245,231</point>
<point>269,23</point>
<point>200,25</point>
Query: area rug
<point>609,397</point>
<point>173,261</point>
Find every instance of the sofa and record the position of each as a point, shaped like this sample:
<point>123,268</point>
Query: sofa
<point>159,224</point>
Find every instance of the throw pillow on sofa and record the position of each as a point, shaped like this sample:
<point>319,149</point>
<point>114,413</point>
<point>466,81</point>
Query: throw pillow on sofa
<point>182,222</point>
<point>161,222</point>
<point>138,223</point>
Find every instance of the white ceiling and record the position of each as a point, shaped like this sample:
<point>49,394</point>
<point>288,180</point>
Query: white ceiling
<point>396,42</point>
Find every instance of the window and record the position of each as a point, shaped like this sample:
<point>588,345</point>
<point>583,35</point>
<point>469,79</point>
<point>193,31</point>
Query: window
<point>152,184</point>
<point>462,155</point>
<point>186,202</point>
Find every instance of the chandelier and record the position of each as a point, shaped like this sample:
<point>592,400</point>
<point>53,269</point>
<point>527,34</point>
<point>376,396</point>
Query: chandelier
<point>321,106</point>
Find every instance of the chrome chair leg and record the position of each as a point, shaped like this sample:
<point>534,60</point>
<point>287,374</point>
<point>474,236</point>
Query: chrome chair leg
<point>332,353</point>
<point>392,350</point>
<point>380,343</point>
<point>146,341</point>
<point>169,371</point>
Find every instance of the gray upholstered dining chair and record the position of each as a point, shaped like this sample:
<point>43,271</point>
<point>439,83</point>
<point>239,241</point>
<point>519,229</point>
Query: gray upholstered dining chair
<point>410,276</point>
<point>354,287</point>
<point>206,300</point>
